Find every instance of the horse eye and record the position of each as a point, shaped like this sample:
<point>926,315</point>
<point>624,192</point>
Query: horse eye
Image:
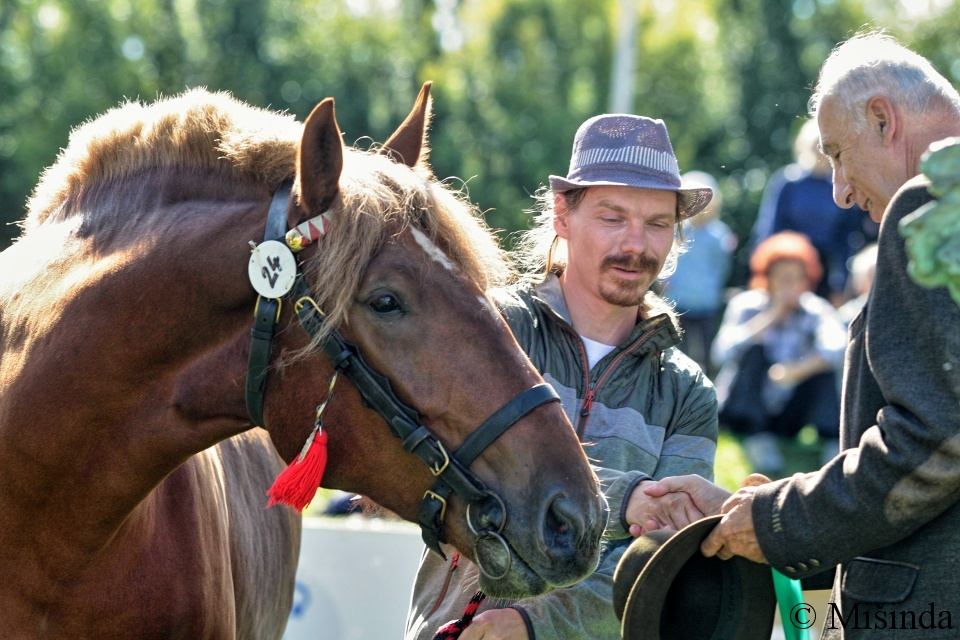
<point>385,303</point>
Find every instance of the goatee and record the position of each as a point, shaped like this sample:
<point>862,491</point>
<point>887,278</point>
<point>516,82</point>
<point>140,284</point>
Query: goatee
<point>628,293</point>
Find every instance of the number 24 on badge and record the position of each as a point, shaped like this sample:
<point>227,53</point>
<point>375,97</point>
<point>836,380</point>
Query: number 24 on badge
<point>272,269</point>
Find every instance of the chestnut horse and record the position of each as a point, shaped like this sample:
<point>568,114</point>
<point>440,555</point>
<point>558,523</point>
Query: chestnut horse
<point>132,478</point>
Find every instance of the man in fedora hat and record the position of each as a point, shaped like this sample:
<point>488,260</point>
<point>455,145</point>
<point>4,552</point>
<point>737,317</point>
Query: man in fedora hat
<point>887,508</point>
<point>586,316</point>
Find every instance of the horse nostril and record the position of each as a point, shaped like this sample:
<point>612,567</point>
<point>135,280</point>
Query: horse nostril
<point>562,527</point>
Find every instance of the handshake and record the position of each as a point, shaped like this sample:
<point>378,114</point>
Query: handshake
<point>673,503</point>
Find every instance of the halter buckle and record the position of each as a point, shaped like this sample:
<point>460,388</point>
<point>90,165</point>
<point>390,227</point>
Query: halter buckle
<point>256,307</point>
<point>298,305</point>
<point>437,469</point>
<point>432,495</point>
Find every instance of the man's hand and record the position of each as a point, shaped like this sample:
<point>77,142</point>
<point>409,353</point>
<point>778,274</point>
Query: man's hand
<point>735,535</point>
<point>706,496</point>
<point>671,510</point>
<point>496,624</point>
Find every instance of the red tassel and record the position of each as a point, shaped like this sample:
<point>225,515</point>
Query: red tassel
<point>298,483</point>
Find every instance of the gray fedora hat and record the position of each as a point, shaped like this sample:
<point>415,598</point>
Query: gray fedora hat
<point>618,149</point>
<point>665,589</point>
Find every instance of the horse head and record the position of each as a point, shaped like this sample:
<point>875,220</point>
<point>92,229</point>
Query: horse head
<point>401,275</point>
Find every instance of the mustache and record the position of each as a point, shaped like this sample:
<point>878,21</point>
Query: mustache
<point>631,262</point>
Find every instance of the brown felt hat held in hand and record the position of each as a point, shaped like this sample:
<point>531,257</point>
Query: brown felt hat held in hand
<point>665,589</point>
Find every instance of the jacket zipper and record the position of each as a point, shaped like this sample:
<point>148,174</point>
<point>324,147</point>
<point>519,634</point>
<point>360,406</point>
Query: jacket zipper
<point>588,386</point>
<point>454,561</point>
<point>593,388</point>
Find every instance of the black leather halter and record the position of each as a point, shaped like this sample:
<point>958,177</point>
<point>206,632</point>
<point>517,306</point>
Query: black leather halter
<point>486,511</point>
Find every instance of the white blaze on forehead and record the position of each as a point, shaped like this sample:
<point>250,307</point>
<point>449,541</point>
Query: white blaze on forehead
<point>432,250</point>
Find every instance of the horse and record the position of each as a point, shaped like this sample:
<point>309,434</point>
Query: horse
<point>144,412</point>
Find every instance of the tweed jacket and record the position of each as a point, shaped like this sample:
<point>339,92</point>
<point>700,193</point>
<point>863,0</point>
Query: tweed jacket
<point>887,509</point>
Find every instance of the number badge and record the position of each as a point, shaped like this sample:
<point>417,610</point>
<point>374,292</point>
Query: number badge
<point>272,269</point>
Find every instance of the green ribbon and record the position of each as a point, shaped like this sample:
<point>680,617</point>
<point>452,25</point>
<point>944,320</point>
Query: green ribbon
<point>789,599</point>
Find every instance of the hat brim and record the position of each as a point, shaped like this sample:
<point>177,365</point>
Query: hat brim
<point>751,587</point>
<point>691,198</point>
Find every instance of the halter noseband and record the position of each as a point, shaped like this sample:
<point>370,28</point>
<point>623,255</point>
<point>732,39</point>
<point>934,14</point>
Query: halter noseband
<point>486,512</point>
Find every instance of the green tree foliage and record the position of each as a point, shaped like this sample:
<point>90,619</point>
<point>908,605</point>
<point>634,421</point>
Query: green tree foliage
<point>512,95</point>
<point>62,62</point>
<point>513,78</point>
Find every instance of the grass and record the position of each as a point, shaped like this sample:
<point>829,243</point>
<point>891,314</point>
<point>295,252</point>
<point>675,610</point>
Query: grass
<point>801,454</point>
<point>731,465</point>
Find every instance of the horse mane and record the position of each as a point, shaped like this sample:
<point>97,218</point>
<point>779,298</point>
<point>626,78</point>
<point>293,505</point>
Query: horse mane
<point>202,130</point>
<point>197,129</point>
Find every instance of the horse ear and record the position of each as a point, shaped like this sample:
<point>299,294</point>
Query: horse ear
<point>320,158</point>
<point>408,144</point>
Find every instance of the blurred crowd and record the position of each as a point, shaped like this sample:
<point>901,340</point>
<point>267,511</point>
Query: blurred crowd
<point>775,347</point>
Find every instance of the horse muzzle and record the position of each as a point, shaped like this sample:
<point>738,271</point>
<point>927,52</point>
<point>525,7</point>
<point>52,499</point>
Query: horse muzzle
<point>565,548</point>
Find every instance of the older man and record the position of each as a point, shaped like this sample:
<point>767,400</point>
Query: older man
<point>587,318</point>
<point>887,509</point>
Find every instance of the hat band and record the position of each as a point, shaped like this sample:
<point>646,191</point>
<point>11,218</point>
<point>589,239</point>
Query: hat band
<point>636,155</point>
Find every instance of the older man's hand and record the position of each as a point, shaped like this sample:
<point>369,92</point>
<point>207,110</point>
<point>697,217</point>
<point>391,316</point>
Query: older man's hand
<point>735,535</point>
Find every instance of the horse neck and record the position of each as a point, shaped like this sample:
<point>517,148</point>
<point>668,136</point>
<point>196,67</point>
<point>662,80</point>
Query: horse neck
<point>159,296</point>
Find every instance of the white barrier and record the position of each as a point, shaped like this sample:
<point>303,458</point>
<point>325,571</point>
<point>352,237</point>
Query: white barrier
<point>354,578</point>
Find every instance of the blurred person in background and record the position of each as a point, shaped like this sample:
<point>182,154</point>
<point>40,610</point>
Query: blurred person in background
<point>779,350</point>
<point>799,197</point>
<point>698,284</point>
<point>862,268</point>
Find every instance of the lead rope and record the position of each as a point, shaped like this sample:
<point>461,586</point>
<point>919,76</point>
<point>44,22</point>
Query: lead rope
<point>453,629</point>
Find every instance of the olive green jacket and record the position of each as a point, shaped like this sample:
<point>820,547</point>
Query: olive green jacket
<point>644,410</point>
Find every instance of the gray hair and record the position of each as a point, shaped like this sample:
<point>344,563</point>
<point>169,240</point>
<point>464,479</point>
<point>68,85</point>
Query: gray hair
<point>540,251</point>
<point>873,63</point>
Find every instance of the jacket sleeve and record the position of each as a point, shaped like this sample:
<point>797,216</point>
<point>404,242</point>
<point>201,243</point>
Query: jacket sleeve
<point>905,470</point>
<point>617,486</point>
<point>689,447</point>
